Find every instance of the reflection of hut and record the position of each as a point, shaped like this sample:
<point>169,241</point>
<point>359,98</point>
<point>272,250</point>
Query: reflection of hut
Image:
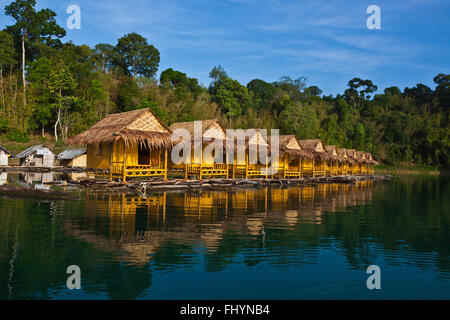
<point>5,155</point>
<point>72,158</point>
<point>128,144</point>
<point>291,157</point>
<point>333,163</point>
<point>316,167</point>
<point>203,162</point>
<point>38,180</point>
<point>36,156</point>
<point>3,178</point>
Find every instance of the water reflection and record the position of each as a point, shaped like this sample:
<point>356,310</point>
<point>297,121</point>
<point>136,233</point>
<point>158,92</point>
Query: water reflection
<point>39,180</point>
<point>3,178</point>
<point>136,227</point>
<point>125,243</point>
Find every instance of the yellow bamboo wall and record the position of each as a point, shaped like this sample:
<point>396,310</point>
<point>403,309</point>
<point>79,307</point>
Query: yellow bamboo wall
<point>102,161</point>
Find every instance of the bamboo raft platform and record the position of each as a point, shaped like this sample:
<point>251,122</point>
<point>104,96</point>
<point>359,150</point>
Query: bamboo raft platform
<point>182,184</point>
<point>144,187</point>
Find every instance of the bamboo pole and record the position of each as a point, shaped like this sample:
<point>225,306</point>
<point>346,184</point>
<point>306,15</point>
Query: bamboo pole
<point>246,166</point>
<point>267,166</point>
<point>165,166</point>
<point>201,161</point>
<point>300,167</point>
<point>124,164</point>
<point>111,148</point>
<point>313,167</point>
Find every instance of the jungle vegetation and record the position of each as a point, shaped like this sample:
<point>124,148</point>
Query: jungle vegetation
<point>57,89</point>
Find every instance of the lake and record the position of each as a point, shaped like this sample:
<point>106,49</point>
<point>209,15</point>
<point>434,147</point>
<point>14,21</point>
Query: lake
<point>309,242</point>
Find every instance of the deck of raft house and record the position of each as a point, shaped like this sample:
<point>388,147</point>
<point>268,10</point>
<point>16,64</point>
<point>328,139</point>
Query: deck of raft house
<point>138,144</point>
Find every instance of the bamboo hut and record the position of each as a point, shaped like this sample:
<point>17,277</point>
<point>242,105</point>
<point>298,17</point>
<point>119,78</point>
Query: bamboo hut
<point>363,163</point>
<point>354,164</point>
<point>128,144</point>
<point>317,166</point>
<point>250,142</point>
<point>334,162</point>
<point>201,163</point>
<point>345,161</point>
<point>5,155</point>
<point>371,162</point>
<point>291,157</point>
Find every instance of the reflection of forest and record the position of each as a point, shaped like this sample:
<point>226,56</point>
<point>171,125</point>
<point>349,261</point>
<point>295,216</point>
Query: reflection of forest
<point>120,240</point>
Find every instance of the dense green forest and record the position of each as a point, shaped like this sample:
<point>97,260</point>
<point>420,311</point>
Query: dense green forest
<point>58,89</point>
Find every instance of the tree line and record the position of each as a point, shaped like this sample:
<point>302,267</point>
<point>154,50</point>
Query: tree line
<point>56,88</point>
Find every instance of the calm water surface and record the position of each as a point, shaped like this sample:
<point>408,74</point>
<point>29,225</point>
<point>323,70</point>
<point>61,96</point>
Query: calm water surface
<point>271,243</point>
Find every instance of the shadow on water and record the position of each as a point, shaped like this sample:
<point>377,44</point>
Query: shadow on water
<point>126,245</point>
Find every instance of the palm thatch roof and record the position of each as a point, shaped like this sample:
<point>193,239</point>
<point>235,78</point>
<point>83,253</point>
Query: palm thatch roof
<point>290,145</point>
<point>252,136</point>
<point>210,128</point>
<point>137,126</point>
<point>342,153</point>
<point>332,153</point>
<point>361,155</point>
<point>352,155</point>
<point>370,158</point>
<point>316,147</point>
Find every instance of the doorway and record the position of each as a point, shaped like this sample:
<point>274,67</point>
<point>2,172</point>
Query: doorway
<point>143,154</point>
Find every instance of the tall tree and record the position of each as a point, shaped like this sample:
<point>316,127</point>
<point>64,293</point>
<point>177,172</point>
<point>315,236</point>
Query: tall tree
<point>104,56</point>
<point>6,58</point>
<point>136,56</point>
<point>32,25</point>
<point>61,83</point>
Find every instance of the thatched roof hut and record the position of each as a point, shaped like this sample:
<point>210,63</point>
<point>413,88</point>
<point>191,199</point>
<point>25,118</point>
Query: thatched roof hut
<point>361,155</point>
<point>254,138</point>
<point>369,157</point>
<point>352,155</point>
<point>210,128</point>
<point>343,154</point>
<point>332,153</point>
<point>316,147</point>
<point>137,126</point>
<point>290,145</point>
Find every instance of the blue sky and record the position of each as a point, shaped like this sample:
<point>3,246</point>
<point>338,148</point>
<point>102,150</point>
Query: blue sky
<point>326,41</point>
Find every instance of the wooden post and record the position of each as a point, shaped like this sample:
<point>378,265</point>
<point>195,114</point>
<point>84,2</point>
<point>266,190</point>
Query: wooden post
<point>165,166</point>
<point>246,165</point>
<point>285,165</point>
<point>111,148</point>
<point>313,167</point>
<point>201,160</point>
<point>300,169</point>
<point>234,161</point>
<point>159,158</point>
<point>267,166</point>
<point>124,165</point>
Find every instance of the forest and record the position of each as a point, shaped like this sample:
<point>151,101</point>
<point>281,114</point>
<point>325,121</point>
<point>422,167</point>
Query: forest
<point>55,89</point>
